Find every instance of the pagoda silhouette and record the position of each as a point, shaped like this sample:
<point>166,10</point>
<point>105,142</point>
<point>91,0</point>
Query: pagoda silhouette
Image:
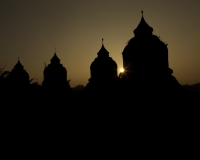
<point>16,85</point>
<point>146,67</point>
<point>146,74</point>
<point>18,77</point>
<point>55,79</point>
<point>103,71</point>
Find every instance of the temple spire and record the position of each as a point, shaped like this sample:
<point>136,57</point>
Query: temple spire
<point>103,51</point>
<point>55,59</point>
<point>143,28</point>
<point>18,65</point>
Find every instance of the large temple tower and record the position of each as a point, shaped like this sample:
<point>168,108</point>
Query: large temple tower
<point>103,72</point>
<point>145,61</point>
<point>55,76</point>
<point>18,76</point>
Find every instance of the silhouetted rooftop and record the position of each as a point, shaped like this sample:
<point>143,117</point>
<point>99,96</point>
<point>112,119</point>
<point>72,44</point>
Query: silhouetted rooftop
<point>143,28</point>
<point>18,65</point>
<point>102,51</point>
<point>55,59</point>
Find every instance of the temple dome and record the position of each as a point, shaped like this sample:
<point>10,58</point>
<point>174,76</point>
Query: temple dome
<point>55,73</point>
<point>143,28</point>
<point>103,51</point>
<point>145,52</point>
<point>103,66</point>
<point>55,82</point>
<point>147,72</point>
<point>18,65</point>
<point>103,79</point>
<point>18,76</point>
<point>55,59</point>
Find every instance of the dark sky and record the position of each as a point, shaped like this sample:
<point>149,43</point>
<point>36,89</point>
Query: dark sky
<point>31,29</point>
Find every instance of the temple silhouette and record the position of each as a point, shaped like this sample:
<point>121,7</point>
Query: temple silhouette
<point>146,74</point>
<point>18,77</point>
<point>55,76</point>
<point>146,66</point>
<point>145,102</point>
<point>103,71</point>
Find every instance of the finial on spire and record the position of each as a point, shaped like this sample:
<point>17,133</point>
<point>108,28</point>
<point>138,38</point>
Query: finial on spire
<point>55,49</point>
<point>102,41</point>
<point>142,12</point>
<point>18,58</point>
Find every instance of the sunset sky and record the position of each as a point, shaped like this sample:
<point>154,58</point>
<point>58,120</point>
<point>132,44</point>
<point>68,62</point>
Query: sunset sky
<point>31,29</point>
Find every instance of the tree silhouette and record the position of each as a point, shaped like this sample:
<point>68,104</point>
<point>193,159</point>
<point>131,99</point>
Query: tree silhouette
<point>78,89</point>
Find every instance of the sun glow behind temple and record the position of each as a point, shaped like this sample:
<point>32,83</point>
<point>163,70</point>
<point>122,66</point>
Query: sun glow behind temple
<point>121,70</point>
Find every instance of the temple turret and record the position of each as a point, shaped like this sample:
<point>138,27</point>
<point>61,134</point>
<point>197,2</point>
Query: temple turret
<point>143,29</point>
<point>145,53</point>
<point>103,68</point>
<point>18,76</point>
<point>145,61</point>
<point>55,76</point>
<point>103,72</point>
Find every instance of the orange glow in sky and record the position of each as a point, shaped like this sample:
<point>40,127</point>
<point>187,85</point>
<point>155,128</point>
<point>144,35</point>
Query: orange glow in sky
<point>32,29</point>
<point>122,70</point>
